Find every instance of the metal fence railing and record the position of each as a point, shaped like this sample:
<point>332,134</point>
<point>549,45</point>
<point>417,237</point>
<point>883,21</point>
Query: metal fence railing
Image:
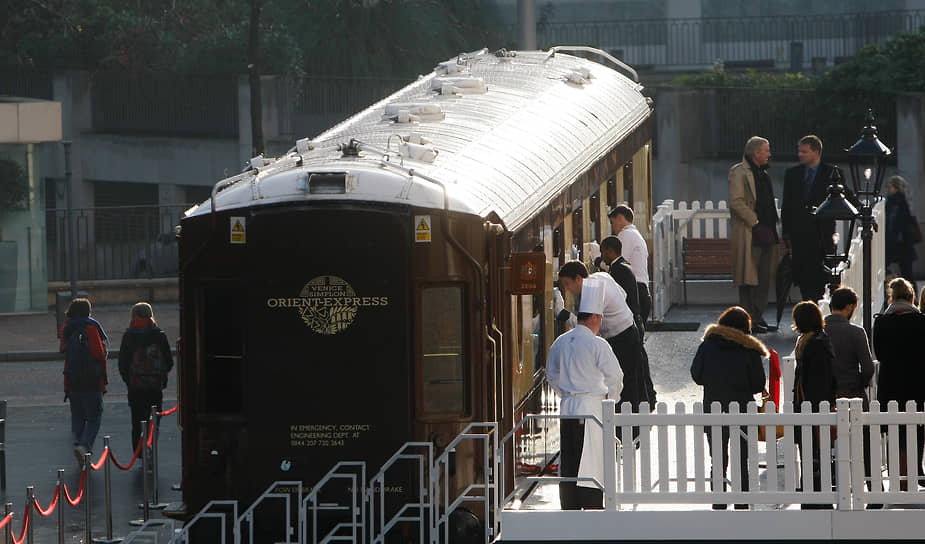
<point>116,242</point>
<point>175,105</point>
<point>311,104</point>
<point>29,84</point>
<point>780,40</point>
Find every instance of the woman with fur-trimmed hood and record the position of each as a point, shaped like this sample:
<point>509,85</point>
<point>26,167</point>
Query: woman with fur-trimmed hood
<point>728,366</point>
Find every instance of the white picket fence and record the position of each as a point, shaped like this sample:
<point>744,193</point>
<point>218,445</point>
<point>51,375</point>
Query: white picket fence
<point>674,221</point>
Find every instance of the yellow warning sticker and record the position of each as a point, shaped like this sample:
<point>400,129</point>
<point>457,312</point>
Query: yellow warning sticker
<point>238,230</point>
<point>422,229</point>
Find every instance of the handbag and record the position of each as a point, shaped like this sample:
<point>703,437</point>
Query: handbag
<point>763,236</point>
<point>778,430</point>
<point>913,230</point>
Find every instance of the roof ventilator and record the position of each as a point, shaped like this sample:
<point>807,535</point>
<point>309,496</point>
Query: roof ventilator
<point>413,112</point>
<point>416,147</point>
<point>580,76</point>
<point>459,85</point>
<point>304,145</point>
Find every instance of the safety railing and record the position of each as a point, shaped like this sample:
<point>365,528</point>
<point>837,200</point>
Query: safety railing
<point>63,495</point>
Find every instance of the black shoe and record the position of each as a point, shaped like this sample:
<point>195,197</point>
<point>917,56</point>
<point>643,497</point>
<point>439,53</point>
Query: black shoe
<point>771,328</point>
<point>720,506</point>
<point>741,507</point>
<point>758,328</point>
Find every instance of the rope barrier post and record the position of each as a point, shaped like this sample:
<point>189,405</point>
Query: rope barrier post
<point>155,414</point>
<point>8,534</point>
<point>61,503</point>
<point>107,482</point>
<point>88,513</point>
<point>2,447</point>
<point>144,476</point>
<point>30,498</point>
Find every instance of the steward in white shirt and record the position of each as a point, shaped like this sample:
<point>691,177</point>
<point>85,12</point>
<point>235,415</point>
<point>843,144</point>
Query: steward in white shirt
<point>635,252</point>
<point>618,329</point>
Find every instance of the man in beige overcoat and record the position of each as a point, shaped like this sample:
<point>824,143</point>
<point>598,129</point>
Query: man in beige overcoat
<point>754,238</point>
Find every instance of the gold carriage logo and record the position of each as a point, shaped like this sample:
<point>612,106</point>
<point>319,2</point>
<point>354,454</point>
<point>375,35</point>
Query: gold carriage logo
<point>327,304</point>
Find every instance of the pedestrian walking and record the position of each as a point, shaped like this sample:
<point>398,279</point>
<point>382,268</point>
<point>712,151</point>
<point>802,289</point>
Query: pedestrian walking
<point>83,341</point>
<point>144,363</point>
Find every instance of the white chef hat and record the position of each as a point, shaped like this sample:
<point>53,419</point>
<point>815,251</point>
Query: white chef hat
<point>592,298</point>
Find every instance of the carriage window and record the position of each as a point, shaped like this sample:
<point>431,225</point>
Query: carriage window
<point>443,372</point>
<point>221,378</point>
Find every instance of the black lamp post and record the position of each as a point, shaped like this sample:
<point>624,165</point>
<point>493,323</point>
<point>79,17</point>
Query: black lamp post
<point>867,160</point>
<point>838,208</point>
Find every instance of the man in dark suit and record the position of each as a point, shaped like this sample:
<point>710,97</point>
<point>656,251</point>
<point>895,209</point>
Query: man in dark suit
<point>809,239</point>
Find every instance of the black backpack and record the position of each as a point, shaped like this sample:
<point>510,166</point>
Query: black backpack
<point>145,371</point>
<point>83,372</point>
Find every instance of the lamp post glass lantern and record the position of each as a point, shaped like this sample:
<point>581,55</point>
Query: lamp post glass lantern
<point>867,160</point>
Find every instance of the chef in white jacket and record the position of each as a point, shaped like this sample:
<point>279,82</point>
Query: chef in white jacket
<point>584,370</point>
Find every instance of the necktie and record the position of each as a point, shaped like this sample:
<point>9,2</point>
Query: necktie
<point>808,182</point>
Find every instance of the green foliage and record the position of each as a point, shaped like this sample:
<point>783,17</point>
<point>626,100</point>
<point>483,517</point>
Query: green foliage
<point>398,38</point>
<point>14,185</point>
<point>750,78</point>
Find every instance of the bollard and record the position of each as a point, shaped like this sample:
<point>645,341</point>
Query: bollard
<point>2,447</point>
<point>87,511</point>
<point>61,503</point>
<point>156,503</point>
<point>30,498</point>
<point>8,535</point>
<point>107,482</point>
<point>144,477</point>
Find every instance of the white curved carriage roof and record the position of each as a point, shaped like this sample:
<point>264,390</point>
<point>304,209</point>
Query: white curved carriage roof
<point>542,121</point>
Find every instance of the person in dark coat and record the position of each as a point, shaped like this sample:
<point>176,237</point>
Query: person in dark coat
<point>728,366</point>
<point>86,395</point>
<point>853,364</point>
<point>144,363</point>
<point>814,379</point>
<point>902,368</point>
<point>809,239</point>
<point>899,245</point>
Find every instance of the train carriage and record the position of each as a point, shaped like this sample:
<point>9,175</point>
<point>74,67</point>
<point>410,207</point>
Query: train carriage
<point>391,279</point>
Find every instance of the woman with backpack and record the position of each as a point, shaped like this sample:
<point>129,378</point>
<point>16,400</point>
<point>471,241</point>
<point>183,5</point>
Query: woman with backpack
<point>144,361</point>
<point>83,343</point>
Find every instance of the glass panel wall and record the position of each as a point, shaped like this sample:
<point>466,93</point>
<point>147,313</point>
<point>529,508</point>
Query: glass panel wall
<point>23,280</point>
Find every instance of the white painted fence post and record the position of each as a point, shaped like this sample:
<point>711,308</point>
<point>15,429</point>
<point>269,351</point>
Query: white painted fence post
<point>844,483</point>
<point>608,428</point>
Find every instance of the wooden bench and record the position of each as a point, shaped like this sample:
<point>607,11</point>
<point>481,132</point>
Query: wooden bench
<point>705,259</point>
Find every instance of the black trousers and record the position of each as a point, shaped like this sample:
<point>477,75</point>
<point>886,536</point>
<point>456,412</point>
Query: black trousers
<point>637,383</point>
<point>645,305</point>
<point>743,456</point>
<point>140,402</point>
<point>571,495</point>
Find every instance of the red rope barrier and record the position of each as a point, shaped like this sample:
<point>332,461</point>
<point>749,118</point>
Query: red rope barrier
<point>6,519</point>
<point>99,464</point>
<point>25,529</point>
<point>51,507</point>
<point>80,493</point>
<point>134,457</point>
<point>168,412</point>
